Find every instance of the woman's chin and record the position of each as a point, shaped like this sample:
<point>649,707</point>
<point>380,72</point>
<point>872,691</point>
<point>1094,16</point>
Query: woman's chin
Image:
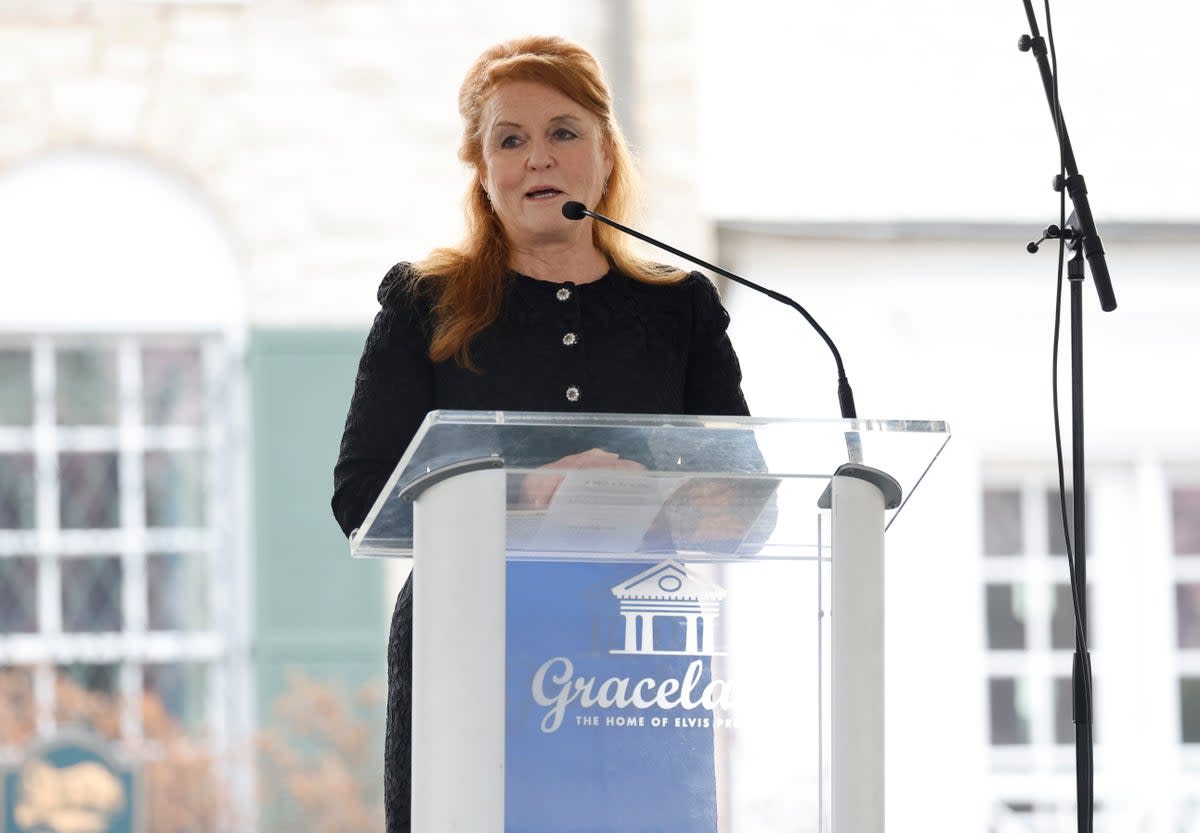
<point>562,233</point>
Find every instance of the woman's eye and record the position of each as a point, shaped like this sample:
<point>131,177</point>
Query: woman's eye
<point>509,142</point>
<point>564,133</point>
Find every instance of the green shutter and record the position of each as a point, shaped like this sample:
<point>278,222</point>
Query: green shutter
<point>315,609</point>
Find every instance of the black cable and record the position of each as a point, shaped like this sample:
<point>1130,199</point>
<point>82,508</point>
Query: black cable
<point>1062,247</point>
<point>1080,630</point>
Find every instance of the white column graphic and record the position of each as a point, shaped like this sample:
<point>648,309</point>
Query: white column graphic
<point>693,641</point>
<point>630,632</point>
<point>647,633</point>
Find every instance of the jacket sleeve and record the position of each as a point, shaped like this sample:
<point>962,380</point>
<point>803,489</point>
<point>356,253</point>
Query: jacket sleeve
<point>741,513</point>
<point>714,376</point>
<point>393,391</point>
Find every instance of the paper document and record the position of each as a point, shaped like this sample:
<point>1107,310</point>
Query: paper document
<point>599,511</point>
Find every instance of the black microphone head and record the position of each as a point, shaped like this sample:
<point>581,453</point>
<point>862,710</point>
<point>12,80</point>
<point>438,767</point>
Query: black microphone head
<point>574,210</point>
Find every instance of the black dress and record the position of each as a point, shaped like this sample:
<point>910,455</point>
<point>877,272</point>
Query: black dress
<point>615,345</point>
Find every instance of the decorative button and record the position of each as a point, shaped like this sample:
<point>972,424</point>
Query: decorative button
<point>563,294</point>
<point>569,340</point>
<point>572,394</point>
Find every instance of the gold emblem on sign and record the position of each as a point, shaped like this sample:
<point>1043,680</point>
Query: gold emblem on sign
<point>81,798</point>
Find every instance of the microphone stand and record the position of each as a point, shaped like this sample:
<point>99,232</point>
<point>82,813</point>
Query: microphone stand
<point>1084,242</point>
<point>1076,188</point>
<point>1081,664</point>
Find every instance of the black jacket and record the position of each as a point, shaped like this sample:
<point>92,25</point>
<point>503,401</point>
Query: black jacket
<point>614,346</point>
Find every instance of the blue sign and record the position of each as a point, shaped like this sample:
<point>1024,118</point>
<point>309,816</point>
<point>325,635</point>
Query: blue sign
<point>612,705</point>
<point>68,786</point>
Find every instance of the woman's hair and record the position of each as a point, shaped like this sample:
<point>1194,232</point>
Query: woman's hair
<point>467,279</point>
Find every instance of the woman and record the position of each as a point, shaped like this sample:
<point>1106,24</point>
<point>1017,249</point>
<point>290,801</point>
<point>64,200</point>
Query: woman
<point>531,312</point>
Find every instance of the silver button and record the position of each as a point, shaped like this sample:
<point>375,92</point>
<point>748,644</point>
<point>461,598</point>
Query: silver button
<point>569,340</point>
<point>563,294</point>
<point>572,394</point>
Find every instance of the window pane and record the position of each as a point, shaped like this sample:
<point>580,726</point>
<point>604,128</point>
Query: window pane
<point>1189,709</point>
<point>17,490</point>
<point>1062,620</point>
<point>16,380</point>
<point>1055,543</point>
<point>86,698</point>
<point>91,594</point>
<point>1005,617</point>
<point>1185,520</point>
<point>177,591</point>
<point>98,678</point>
<point>1001,522</point>
<point>18,594</point>
<point>174,488</point>
<point>1187,615</point>
<point>86,386</point>
<point>1009,706</point>
<point>16,700</point>
<point>172,386</point>
<point>88,496</point>
<point>181,688</point>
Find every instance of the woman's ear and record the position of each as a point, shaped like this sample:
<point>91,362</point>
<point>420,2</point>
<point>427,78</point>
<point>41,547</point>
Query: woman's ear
<point>481,178</point>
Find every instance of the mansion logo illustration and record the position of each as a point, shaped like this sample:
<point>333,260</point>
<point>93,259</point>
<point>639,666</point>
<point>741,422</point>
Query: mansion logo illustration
<point>669,590</point>
<point>666,591</point>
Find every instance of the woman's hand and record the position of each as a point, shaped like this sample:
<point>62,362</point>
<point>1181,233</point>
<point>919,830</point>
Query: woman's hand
<point>538,489</point>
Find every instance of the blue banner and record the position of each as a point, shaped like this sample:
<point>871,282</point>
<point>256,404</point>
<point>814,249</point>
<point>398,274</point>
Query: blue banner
<point>611,703</point>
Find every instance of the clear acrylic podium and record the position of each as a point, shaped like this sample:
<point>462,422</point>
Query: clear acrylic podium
<point>692,643</point>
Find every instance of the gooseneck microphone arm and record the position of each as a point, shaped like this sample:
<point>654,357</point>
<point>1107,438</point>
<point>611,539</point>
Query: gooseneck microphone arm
<point>577,211</point>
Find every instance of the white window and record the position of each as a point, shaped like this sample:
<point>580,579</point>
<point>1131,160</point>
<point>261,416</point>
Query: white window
<point>115,534</point>
<point>1030,624</point>
<point>1030,643</point>
<point>1185,547</point>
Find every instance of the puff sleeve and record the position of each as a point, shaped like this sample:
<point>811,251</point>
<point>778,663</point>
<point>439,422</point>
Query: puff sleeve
<point>714,376</point>
<point>393,391</point>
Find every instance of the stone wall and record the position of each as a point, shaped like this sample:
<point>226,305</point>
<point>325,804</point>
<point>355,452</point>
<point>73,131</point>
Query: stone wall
<point>322,134</point>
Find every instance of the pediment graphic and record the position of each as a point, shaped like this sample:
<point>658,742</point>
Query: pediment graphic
<point>669,580</point>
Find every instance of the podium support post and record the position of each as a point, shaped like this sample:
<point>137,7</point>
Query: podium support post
<point>459,654</point>
<point>858,649</point>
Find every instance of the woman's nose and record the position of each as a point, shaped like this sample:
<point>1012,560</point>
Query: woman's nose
<point>539,156</point>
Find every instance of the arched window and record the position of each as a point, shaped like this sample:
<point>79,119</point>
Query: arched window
<point>121,564</point>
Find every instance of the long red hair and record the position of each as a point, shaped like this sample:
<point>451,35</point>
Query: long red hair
<point>467,279</point>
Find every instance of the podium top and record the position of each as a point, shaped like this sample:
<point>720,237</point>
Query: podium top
<point>705,486</point>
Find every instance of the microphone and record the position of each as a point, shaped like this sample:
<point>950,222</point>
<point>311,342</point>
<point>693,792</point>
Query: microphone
<point>577,211</point>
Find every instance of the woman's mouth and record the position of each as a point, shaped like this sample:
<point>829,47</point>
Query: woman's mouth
<point>542,193</point>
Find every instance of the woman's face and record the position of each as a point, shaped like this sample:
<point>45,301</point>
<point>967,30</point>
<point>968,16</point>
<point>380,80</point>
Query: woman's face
<point>541,150</point>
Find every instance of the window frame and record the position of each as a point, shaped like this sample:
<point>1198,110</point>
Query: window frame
<point>213,647</point>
